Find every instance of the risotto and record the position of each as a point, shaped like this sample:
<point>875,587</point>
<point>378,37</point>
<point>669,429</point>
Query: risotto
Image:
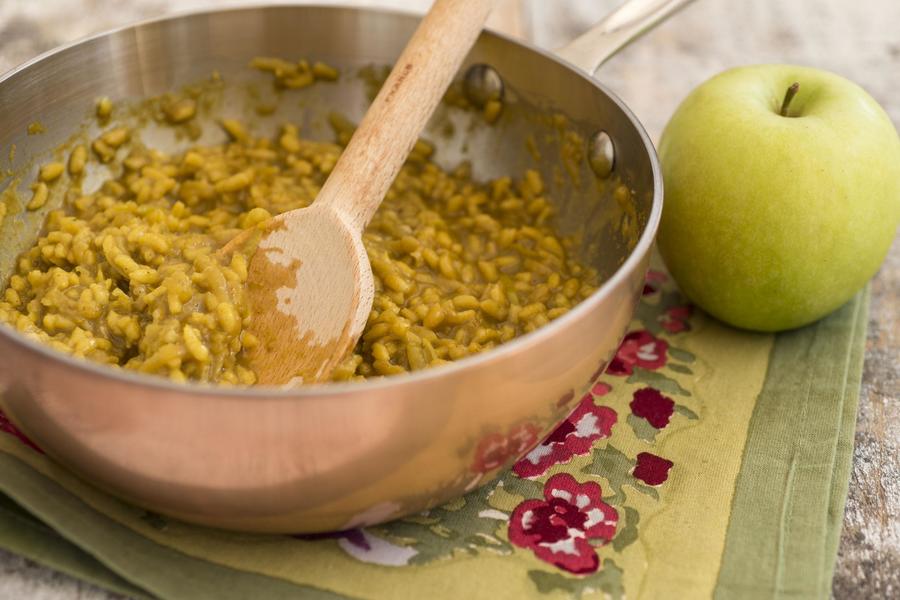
<point>129,274</point>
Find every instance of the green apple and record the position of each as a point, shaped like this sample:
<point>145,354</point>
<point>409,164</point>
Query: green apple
<point>781,200</point>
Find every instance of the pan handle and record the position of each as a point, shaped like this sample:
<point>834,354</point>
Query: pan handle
<point>625,24</point>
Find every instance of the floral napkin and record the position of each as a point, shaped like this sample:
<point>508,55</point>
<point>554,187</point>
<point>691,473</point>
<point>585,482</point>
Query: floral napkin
<point>705,462</point>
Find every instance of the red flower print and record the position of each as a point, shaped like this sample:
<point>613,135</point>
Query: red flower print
<point>601,368</point>
<point>653,406</point>
<point>652,469</point>
<point>491,453</point>
<point>558,528</point>
<point>565,398</point>
<point>675,319</point>
<point>574,436</point>
<point>653,281</point>
<point>520,438</point>
<point>7,426</point>
<point>495,449</point>
<point>639,348</point>
<point>601,389</point>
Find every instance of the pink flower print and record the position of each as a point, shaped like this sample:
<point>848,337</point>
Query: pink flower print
<point>495,449</point>
<point>675,319</point>
<point>521,438</point>
<point>641,349</point>
<point>574,436</point>
<point>601,389</point>
<point>491,453</point>
<point>653,282</point>
<point>559,528</point>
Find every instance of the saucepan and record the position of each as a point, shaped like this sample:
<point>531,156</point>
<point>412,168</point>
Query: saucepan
<point>333,456</point>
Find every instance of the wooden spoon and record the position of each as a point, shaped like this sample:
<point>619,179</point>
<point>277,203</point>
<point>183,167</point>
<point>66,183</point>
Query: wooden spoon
<point>310,283</point>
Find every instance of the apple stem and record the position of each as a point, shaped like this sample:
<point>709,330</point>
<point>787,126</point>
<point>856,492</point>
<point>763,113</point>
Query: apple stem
<point>788,96</point>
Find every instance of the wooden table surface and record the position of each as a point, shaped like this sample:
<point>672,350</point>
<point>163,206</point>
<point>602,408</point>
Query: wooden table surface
<point>856,39</point>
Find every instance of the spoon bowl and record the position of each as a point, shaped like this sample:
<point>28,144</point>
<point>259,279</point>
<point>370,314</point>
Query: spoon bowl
<point>311,289</point>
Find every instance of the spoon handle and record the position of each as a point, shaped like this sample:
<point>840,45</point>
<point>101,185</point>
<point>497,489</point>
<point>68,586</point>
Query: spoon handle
<point>400,111</point>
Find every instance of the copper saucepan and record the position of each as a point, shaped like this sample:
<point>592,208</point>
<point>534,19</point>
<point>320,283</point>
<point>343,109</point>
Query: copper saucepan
<point>340,455</point>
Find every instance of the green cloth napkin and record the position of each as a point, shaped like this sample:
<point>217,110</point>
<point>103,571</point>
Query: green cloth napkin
<point>706,462</point>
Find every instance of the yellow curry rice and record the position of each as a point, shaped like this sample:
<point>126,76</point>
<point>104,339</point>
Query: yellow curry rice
<point>128,275</point>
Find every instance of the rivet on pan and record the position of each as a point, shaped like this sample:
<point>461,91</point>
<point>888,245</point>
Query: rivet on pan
<point>602,154</point>
<point>482,83</point>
